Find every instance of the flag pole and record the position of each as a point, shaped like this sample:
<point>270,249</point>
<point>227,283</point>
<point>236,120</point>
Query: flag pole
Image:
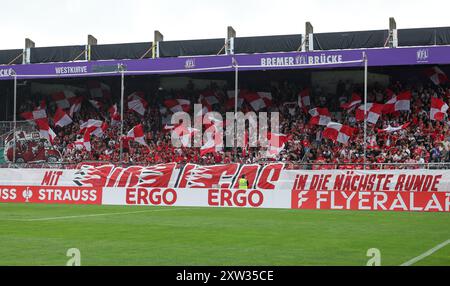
<point>15,116</point>
<point>122,91</point>
<point>236,95</point>
<point>365,109</point>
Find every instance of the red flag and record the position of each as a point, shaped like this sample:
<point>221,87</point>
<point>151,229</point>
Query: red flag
<point>374,111</point>
<point>61,118</point>
<point>400,102</point>
<point>355,101</point>
<point>320,116</point>
<point>436,75</point>
<point>438,109</point>
<point>338,132</point>
<point>137,134</point>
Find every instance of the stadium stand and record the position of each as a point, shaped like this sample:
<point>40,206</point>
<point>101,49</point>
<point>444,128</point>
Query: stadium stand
<point>406,128</point>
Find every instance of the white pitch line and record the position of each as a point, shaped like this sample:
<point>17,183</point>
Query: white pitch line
<point>425,254</point>
<point>95,215</point>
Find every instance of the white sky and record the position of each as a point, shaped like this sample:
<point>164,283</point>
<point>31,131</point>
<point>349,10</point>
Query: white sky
<point>67,22</point>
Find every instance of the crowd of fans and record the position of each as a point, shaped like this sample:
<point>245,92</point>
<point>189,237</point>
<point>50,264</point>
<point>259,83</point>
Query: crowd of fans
<point>424,141</point>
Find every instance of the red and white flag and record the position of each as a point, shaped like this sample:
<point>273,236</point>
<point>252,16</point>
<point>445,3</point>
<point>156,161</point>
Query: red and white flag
<point>44,130</point>
<point>231,99</point>
<point>208,98</point>
<point>99,90</point>
<point>338,132</point>
<point>374,111</point>
<point>212,144</point>
<point>304,99</point>
<point>85,141</point>
<point>61,118</point>
<point>277,143</point>
<point>320,116</point>
<point>390,129</point>
<point>178,105</point>
<point>259,100</point>
<point>354,102</point>
<point>400,102</point>
<point>64,99</point>
<point>114,115</point>
<point>76,105</point>
<point>38,113</point>
<point>94,127</point>
<point>438,109</point>
<point>137,134</point>
<point>136,95</point>
<point>436,75</point>
<point>137,102</point>
<point>185,134</point>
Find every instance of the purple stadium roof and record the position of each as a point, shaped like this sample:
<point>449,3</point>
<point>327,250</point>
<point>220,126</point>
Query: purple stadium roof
<point>429,55</point>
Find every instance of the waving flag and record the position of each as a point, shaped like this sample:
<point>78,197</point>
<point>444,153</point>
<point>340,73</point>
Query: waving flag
<point>277,143</point>
<point>338,132</point>
<point>85,141</point>
<point>94,127</point>
<point>44,130</point>
<point>304,100</point>
<point>212,144</point>
<point>178,105</point>
<point>374,111</point>
<point>99,90</point>
<point>436,75</point>
<point>231,100</point>
<point>438,109</point>
<point>136,95</point>
<point>114,115</point>
<point>390,129</point>
<point>208,98</point>
<point>61,118</point>
<point>185,134</point>
<point>137,134</point>
<point>400,102</point>
<point>34,115</point>
<point>137,103</point>
<point>259,100</point>
<point>64,99</point>
<point>354,102</point>
<point>76,105</point>
<point>320,116</point>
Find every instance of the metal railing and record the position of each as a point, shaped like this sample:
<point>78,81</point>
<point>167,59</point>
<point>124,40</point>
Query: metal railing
<point>288,165</point>
<point>7,127</point>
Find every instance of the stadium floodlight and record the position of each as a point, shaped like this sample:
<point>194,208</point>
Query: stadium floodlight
<point>393,35</point>
<point>309,37</point>
<point>27,51</point>
<point>91,41</point>
<point>157,37</point>
<point>229,44</point>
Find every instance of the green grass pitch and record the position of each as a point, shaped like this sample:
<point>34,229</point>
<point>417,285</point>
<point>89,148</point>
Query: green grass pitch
<point>32,234</point>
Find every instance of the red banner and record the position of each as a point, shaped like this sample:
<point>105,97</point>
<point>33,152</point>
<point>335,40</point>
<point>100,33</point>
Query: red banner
<point>51,195</point>
<point>374,201</point>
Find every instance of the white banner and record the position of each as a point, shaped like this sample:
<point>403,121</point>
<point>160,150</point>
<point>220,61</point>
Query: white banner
<point>270,177</point>
<point>197,197</point>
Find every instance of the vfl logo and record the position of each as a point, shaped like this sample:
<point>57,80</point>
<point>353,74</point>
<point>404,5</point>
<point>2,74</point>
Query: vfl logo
<point>190,64</point>
<point>300,60</point>
<point>6,72</point>
<point>27,194</point>
<point>422,55</point>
